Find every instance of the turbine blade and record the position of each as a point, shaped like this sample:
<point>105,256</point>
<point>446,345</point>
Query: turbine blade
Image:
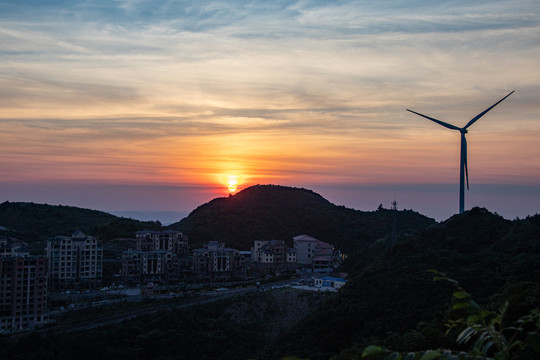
<point>473,120</point>
<point>465,160</point>
<point>446,125</point>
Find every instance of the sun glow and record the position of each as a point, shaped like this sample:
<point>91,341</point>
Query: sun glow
<point>231,182</point>
<point>232,185</point>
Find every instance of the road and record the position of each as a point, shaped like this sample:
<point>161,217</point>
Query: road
<point>108,319</point>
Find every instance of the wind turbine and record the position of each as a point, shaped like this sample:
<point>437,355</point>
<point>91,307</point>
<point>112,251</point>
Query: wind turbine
<point>463,170</point>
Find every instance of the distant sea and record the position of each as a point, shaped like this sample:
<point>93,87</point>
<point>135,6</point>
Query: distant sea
<point>164,217</point>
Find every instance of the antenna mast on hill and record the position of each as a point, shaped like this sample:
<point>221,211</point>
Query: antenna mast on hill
<point>394,221</point>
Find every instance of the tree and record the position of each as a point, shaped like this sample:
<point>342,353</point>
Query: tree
<point>485,330</point>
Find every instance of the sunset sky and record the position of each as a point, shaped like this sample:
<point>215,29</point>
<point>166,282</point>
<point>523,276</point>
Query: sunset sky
<point>155,105</point>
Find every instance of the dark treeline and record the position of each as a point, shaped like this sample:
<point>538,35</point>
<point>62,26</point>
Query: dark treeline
<point>265,212</point>
<point>37,222</point>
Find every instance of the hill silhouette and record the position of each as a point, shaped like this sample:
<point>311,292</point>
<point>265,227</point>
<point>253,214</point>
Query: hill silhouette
<point>37,222</point>
<point>265,212</point>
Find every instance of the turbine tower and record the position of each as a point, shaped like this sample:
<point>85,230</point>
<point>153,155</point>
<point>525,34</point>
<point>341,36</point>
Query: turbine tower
<point>463,170</point>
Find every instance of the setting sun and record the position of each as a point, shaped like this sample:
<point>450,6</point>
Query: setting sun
<point>232,184</point>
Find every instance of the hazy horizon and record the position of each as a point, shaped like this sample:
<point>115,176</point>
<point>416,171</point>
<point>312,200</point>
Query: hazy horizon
<point>365,198</point>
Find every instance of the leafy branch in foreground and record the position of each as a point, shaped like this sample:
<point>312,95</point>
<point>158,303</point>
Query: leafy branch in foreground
<point>484,329</point>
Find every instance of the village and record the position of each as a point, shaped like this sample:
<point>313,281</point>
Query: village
<point>70,273</point>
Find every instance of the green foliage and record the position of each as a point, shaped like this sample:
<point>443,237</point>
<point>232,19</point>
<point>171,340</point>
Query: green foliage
<point>391,300</point>
<point>488,329</point>
<point>492,339</point>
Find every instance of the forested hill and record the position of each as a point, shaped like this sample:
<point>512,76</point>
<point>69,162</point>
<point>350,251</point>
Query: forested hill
<point>265,212</point>
<point>34,222</point>
<point>391,297</point>
<point>261,212</point>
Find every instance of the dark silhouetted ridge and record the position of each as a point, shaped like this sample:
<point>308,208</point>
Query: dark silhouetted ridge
<point>264,212</point>
<point>33,222</point>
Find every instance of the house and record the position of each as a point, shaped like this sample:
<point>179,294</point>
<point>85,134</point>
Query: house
<point>330,282</point>
<point>323,259</point>
<point>314,254</point>
<point>272,256</point>
<point>75,261</point>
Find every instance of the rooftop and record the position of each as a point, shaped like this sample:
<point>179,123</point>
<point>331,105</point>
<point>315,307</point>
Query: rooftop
<point>331,278</point>
<point>304,237</point>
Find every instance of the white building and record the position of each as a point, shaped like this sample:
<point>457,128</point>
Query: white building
<point>75,261</point>
<point>331,282</point>
<point>272,256</point>
<point>313,253</point>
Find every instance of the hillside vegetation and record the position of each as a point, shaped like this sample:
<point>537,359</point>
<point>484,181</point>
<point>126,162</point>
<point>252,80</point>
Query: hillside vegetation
<point>261,212</point>
<point>37,222</point>
<point>391,297</point>
<point>265,212</point>
<point>235,328</point>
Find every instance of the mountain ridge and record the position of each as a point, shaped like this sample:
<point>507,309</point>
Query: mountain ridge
<point>259,212</point>
<point>31,222</point>
<point>265,212</point>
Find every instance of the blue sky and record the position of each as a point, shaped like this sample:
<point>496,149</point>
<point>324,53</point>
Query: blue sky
<point>169,96</point>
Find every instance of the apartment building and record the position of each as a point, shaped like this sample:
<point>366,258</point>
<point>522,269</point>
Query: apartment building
<point>169,240</point>
<point>214,262</point>
<point>74,262</point>
<point>242,263</point>
<point>145,266</point>
<point>23,293</point>
<point>131,266</point>
<point>159,256</point>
